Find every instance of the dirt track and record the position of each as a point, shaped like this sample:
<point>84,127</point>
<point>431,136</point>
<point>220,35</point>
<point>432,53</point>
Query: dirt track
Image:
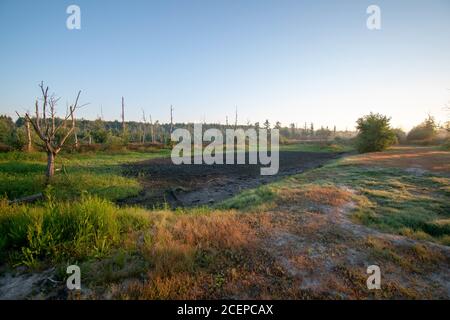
<point>195,185</point>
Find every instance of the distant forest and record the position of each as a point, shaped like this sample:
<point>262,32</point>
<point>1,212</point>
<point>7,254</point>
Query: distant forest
<point>13,134</point>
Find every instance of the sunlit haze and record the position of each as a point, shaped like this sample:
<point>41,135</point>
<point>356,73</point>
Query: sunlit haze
<point>287,61</point>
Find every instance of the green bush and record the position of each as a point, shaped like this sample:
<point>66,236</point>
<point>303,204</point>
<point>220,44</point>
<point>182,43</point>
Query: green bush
<point>424,132</point>
<point>374,133</point>
<point>400,135</point>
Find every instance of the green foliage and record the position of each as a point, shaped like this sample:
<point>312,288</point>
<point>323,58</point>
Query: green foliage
<point>249,199</point>
<point>339,145</point>
<point>374,133</point>
<point>400,135</point>
<point>425,131</point>
<point>99,133</point>
<point>6,129</point>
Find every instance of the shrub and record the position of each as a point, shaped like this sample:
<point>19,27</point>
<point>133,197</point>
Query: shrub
<point>400,135</point>
<point>375,133</point>
<point>424,132</point>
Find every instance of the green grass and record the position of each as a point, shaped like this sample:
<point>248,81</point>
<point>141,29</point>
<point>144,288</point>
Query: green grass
<point>317,147</point>
<point>249,199</point>
<point>57,230</point>
<point>100,174</point>
<point>388,199</point>
<point>192,250</point>
<point>391,200</point>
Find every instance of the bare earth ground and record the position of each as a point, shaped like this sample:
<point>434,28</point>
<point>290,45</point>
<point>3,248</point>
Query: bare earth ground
<point>415,159</point>
<point>194,185</point>
<point>304,245</point>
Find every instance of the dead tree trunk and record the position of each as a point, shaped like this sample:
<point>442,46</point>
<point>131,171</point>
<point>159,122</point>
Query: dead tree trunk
<point>27,126</point>
<point>76,138</point>
<point>50,164</point>
<point>171,120</point>
<point>144,119</point>
<point>46,127</point>
<point>123,116</point>
<point>152,132</point>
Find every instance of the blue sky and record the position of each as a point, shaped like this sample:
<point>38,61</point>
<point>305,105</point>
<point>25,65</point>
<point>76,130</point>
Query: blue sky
<point>291,61</point>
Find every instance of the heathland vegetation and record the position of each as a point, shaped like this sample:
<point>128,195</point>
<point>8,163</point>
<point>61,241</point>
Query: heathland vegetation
<point>388,205</point>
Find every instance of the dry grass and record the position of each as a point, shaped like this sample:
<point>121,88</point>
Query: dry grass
<point>324,195</point>
<point>425,158</point>
<point>179,286</point>
<point>186,254</point>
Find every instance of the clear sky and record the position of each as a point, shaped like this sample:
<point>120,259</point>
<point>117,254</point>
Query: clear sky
<point>291,61</point>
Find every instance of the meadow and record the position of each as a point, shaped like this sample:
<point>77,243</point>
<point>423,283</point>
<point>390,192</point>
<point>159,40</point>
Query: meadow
<point>309,235</point>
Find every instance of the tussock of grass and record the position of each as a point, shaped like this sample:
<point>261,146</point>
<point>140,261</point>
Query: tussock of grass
<point>404,255</point>
<point>58,230</point>
<point>187,255</point>
<point>252,199</point>
<point>320,194</point>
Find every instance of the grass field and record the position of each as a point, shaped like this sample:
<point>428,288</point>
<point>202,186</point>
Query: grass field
<point>307,236</point>
<point>21,174</point>
<point>393,191</point>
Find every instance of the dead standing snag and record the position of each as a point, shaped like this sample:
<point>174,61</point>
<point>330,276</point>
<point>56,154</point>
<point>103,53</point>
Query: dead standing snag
<point>47,129</point>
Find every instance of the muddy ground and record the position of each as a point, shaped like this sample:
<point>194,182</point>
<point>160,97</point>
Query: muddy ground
<point>195,185</point>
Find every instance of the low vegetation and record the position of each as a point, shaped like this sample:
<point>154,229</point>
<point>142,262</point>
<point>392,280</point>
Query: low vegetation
<point>262,243</point>
<point>22,174</point>
<point>56,231</point>
<point>389,194</point>
<point>306,236</point>
<point>374,133</point>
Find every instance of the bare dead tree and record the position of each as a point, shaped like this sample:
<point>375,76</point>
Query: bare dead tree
<point>236,119</point>
<point>144,125</point>
<point>29,146</point>
<point>152,131</point>
<point>44,124</point>
<point>123,116</point>
<point>75,132</point>
<point>171,120</point>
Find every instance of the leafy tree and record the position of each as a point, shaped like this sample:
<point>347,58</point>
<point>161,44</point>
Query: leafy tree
<point>374,133</point>
<point>323,133</point>
<point>400,135</point>
<point>424,131</point>
<point>6,129</point>
<point>99,133</point>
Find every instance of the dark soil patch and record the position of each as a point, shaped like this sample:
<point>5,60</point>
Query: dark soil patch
<point>195,185</point>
